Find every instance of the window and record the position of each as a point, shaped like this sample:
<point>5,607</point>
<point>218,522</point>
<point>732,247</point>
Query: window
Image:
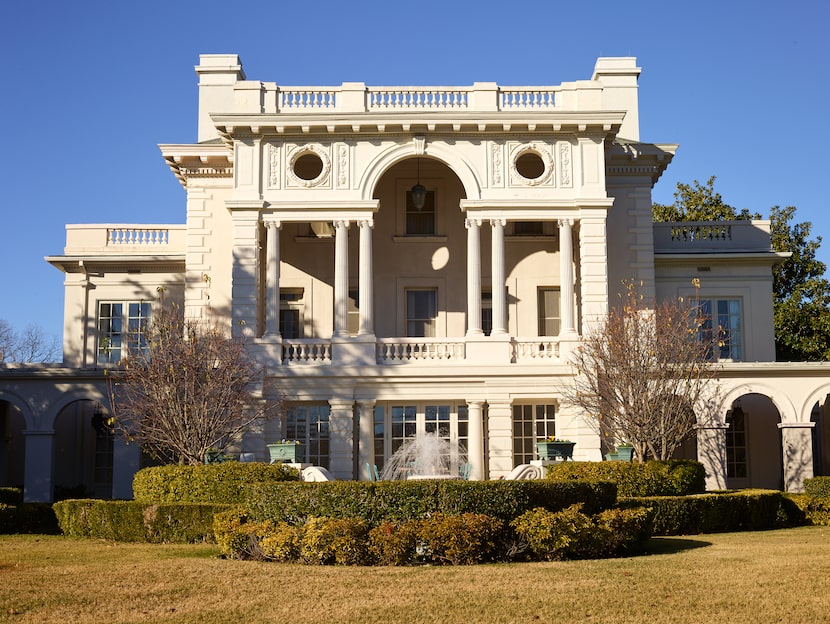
<point>309,423</point>
<point>291,313</point>
<point>353,312</point>
<point>530,424</point>
<point>421,313</point>
<point>548,300</point>
<point>487,312</point>
<point>420,222</point>
<point>528,228</point>
<point>721,328</point>
<point>736,464</point>
<point>122,327</point>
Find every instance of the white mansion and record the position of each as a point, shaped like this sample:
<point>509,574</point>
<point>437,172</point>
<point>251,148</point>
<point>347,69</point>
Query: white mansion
<point>413,259</point>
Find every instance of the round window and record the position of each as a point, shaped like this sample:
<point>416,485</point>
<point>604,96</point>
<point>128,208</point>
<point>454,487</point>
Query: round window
<point>308,167</point>
<point>530,166</point>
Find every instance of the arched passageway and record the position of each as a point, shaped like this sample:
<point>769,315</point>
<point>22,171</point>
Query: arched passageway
<point>753,444</point>
<point>83,451</point>
<point>12,445</point>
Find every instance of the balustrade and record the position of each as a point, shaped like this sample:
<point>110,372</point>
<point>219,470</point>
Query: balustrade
<point>137,236</point>
<point>542,348</point>
<point>392,350</point>
<point>306,351</point>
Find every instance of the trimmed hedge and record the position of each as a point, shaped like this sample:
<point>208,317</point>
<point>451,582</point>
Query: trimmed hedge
<point>11,496</point>
<point>745,510</point>
<point>134,521</point>
<point>652,478</point>
<point>397,501</point>
<point>224,483</point>
<point>817,487</point>
<point>28,518</point>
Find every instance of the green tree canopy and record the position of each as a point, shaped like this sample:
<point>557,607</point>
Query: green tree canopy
<point>801,293</point>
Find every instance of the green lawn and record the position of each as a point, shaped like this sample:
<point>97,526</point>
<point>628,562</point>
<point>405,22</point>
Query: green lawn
<point>774,576</point>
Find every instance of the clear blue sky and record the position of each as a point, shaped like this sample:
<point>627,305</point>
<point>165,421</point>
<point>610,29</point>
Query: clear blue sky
<point>90,88</point>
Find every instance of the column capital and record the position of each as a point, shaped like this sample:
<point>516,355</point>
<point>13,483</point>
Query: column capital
<point>469,223</point>
<point>565,222</point>
<point>342,223</point>
<point>271,222</point>
<point>363,223</point>
<point>498,222</point>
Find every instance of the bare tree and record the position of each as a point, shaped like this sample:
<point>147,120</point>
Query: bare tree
<point>33,344</point>
<point>184,388</point>
<point>641,373</point>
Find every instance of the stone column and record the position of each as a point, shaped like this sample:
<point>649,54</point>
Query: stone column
<point>37,471</point>
<point>499,299</point>
<point>500,437</point>
<point>475,441</point>
<point>366,445</point>
<point>272,279</point>
<point>473,277</point>
<point>341,438</point>
<point>365,285</point>
<point>797,447</point>
<point>567,325</point>
<point>341,278</point>
<point>711,452</point>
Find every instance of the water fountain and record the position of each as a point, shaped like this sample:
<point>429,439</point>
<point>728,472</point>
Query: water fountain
<point>427,456</point>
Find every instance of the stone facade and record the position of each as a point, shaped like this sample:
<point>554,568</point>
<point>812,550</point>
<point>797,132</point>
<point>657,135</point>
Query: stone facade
<point>376,319</point>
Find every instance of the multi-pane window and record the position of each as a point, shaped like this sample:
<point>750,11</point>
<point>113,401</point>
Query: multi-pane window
<point>309,423</point>
<point>122,328</point>
<point>721,328</point>
<point>530,424</point>
<point>548,301</point>
<point>486,312</point>
<point>420,222</point>
<point>736,463</point>
<point>291,313</point>
<point>421,312</point>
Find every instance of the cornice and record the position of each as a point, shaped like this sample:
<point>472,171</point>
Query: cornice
<point>168,263</point>
<point>201,160</point>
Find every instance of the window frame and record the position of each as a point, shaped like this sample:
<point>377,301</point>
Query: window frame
<point>542,315</point>
<point>129,324</point>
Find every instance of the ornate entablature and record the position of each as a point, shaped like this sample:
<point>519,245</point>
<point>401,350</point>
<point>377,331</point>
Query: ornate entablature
<point>198,161</point>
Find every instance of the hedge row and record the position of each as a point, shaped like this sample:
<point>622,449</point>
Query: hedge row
<point>817,487</point>
<point>134,521</point>
<point>375,502</point>
<point>19,517</point>
<point>652,478</point>
<point>11,496</point>
<point>223,483</point>
<point>454,539</point>
<point>745,510</point>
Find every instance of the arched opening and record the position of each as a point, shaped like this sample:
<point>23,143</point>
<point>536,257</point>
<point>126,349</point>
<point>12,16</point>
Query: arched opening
<point>12,445</point>
<point>420,252</point>
<point>821,438</point>
<point>753,444</point>
<point>83,451</point>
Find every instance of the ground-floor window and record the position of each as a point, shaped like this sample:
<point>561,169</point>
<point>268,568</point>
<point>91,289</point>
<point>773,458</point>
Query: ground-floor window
<point>122,327</point>
<point>531,422</point>
<point>395,423</point>
<point>309,423</point>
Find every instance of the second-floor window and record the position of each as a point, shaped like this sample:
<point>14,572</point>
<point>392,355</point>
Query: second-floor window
<point>122,327</point>
<point>548,301</point>
<point>420,222</point>
<point>421,312</point>
<point>291,313</point>
<point>721,328</point>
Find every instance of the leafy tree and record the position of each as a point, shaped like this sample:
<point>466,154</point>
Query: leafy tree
<point>642,372</point>
<point>801,294</point>
<point>184,387</point>
<point>33,344</point>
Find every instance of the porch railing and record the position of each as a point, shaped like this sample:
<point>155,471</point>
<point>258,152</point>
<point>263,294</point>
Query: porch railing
<point>306,351</point>
<point>400,350</point>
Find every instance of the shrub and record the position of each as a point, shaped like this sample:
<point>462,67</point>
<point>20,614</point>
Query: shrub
<point>817,487</point>
<point>745,510</point>
<point>341,541</point>
<point>11,496</point>
<point>133,521</point>
<point>458,539</point>
<point>224,483</point>
<point>653,478</point>
<point>28,518</point>
<point>553,536</point>
<point>813,510</point>
<point>394,543</point>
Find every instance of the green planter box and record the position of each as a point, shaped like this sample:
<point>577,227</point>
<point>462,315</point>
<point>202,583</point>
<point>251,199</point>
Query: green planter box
<point>291,453</point>
<point>623,453</point>
<point>555,450</point>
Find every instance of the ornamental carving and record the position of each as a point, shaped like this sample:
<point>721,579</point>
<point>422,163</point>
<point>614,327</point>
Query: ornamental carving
<point>273,166</point>
<point>497,164</point>
<point>342,166</point>
<point>317,150</point>
<point>565,163</point>
<point>538,149</point>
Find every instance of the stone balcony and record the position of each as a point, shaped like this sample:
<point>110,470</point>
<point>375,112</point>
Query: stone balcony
<point>124,239</point>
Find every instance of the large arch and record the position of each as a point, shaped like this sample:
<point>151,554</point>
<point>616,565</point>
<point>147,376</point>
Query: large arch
<point>20,403</point>
<point>459,165</point>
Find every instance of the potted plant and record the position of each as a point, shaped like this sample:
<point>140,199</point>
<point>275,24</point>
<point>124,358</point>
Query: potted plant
<point>291,451</point>
<point>623,452</point>
<point>555,448</point>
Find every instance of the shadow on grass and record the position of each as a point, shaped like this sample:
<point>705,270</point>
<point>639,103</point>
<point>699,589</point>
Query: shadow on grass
<point>671,545</point>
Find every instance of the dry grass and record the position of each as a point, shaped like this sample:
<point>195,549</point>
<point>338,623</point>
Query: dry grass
<point>775,576</point>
